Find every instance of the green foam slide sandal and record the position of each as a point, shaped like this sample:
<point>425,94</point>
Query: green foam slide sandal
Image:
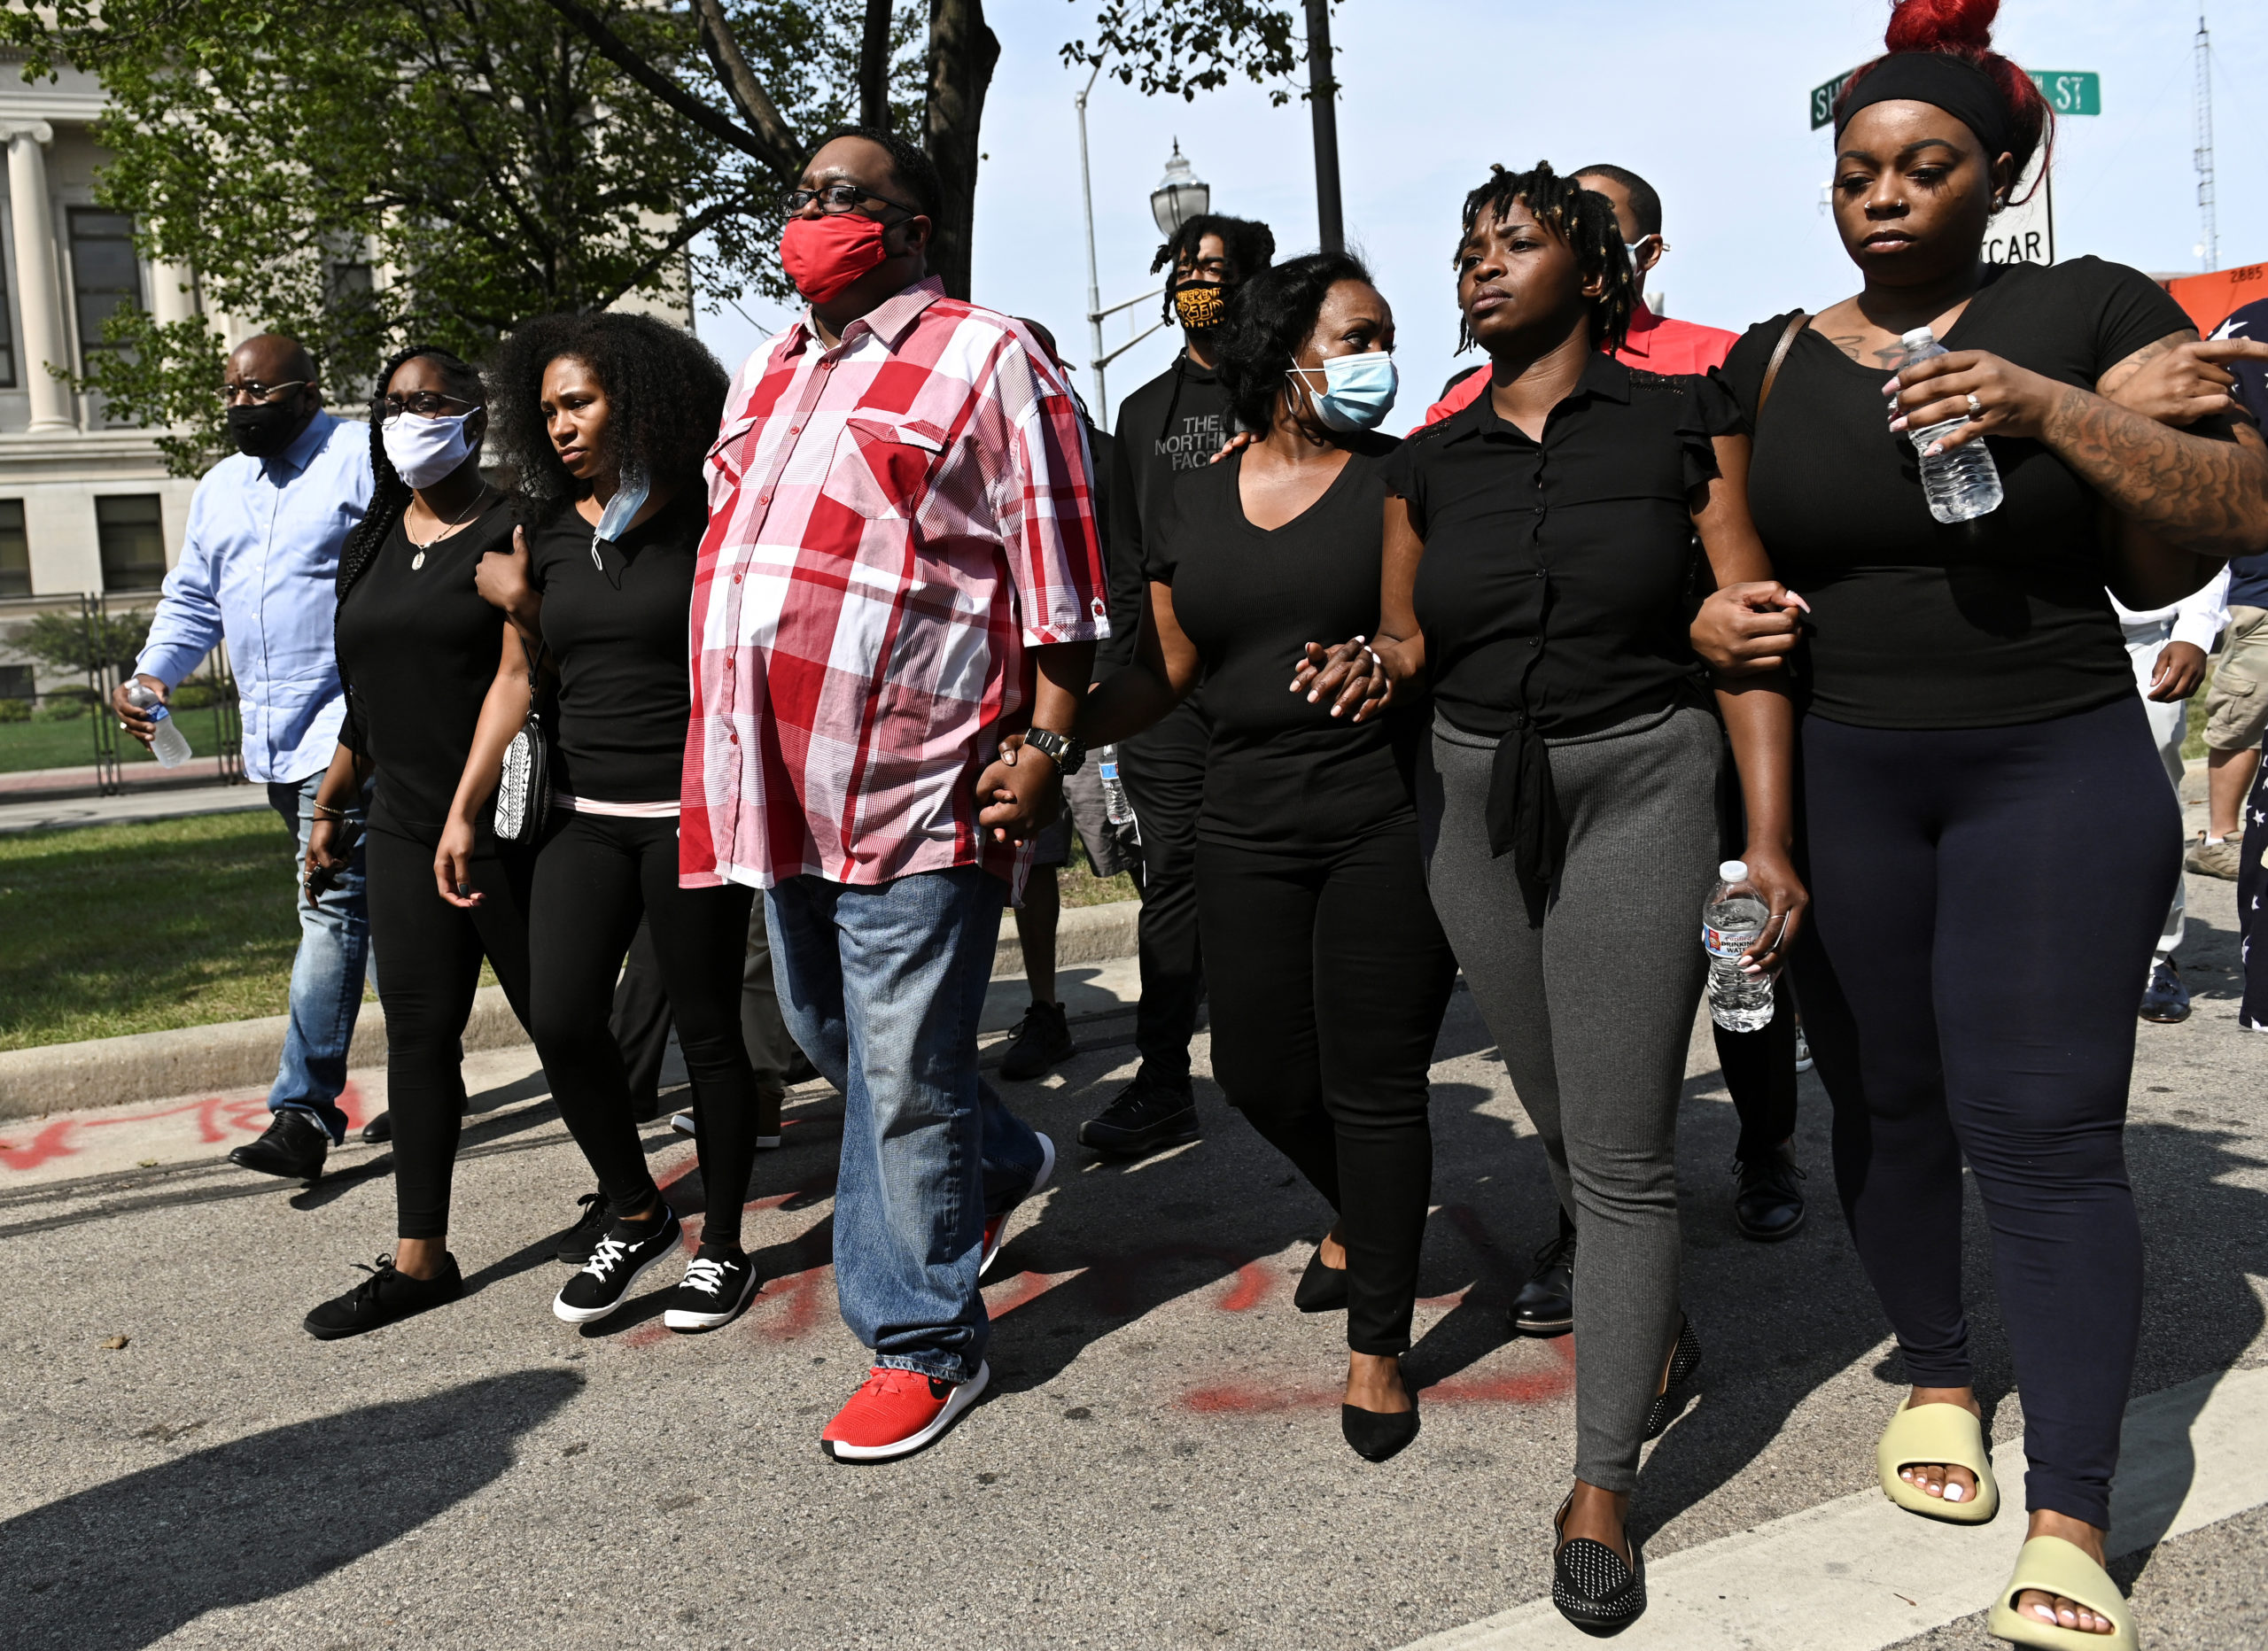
<point>2053,1566</point>
<point>1939,1433</point>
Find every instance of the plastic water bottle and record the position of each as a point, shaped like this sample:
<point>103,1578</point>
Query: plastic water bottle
<point>1732,922</point>
<point>167,743</point>
<point>1117,807</point>
<point>1961,484</point>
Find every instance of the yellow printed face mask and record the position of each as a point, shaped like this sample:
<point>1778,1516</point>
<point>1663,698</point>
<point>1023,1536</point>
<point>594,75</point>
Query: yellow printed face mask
<point>1200,305</point>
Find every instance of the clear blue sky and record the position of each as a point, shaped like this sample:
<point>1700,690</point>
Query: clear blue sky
<point>1705,101</point>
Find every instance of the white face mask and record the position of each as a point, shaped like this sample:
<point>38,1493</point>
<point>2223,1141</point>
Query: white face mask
<point>424,450</point>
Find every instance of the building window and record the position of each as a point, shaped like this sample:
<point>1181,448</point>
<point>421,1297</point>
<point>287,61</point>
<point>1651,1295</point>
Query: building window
<point>104,275</point>
<point>17,683</point>
<point>7,338</point>
<point>15,551</point>
<point>132,534</point>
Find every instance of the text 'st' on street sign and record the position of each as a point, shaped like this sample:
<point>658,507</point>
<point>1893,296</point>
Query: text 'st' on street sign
<point>2068,91</point>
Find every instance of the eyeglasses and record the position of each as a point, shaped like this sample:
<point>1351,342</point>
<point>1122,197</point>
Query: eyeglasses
<point>259,392</point>
<point>424,403</point>
<point>840,197</point>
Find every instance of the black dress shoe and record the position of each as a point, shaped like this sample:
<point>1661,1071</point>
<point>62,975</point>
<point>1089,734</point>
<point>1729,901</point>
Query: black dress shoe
<point>1768,1195</point>
<point>1322,1290</point>
<point>1546,1303</point>
<point>1592,1586</point>
<point>1375,1435</point>
<point>379,1129</point>
<point>384,1297</point>
<point>1146,1117</point>
<point>294,1147</point>
<point>1043,1041</point>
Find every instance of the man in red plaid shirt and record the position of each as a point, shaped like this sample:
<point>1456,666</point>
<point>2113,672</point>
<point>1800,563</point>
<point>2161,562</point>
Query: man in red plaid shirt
<point>901,574</point>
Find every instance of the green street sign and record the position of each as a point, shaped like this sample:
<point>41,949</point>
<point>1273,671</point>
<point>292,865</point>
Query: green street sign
<point>2068,91</point>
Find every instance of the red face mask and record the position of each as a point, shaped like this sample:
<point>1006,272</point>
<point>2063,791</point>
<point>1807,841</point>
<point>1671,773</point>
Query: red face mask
<point>824,255</point>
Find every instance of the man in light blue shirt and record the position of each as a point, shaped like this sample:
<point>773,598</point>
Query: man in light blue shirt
<point>259,570</point>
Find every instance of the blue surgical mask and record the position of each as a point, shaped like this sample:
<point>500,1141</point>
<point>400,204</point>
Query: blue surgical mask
<point>1358,390</point>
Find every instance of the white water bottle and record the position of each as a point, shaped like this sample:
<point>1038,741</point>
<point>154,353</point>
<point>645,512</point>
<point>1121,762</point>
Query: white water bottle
<point>1117,807</point>
<point>1963,482</point>
<point>167,743</point>
<point>1732,922</point>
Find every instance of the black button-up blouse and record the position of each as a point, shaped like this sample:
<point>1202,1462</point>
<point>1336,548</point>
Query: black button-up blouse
<point>1555,578</point>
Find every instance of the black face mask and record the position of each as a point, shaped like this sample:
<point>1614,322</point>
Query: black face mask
<point>265,428</point>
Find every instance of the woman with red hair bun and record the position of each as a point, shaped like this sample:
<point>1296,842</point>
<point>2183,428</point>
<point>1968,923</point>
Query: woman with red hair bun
<point>1988,840</point>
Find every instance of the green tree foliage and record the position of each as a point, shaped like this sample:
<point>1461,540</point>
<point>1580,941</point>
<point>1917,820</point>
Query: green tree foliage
<point>66,642</point>
<point>1180,48</point>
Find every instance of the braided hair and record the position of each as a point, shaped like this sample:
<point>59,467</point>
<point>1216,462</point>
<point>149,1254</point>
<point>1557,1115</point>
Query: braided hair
<point>389,493</point>
<point>1249,245</point>
<point>1583,219</point>
<point>666,397</point>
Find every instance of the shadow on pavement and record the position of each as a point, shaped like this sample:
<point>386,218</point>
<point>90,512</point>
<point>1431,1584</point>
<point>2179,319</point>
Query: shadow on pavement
<point>125,1564</point>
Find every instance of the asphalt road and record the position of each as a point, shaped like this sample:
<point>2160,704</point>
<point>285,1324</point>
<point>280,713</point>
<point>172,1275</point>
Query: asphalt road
<point>1159,1464</point>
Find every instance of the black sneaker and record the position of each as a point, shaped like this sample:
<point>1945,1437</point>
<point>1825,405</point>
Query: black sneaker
<point>1768,1195</point>
<point>384,1297</point>
<point>1043,1039</point>
<point>574,1246</point>
<point>718,1287</point>
<point>1546,1303</point>
<point>1145,1117</point>
<point>293,1146</point>
<point>620,1258</point>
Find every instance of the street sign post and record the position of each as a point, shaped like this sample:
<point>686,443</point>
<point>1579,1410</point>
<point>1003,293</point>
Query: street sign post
<point>2068,91</point>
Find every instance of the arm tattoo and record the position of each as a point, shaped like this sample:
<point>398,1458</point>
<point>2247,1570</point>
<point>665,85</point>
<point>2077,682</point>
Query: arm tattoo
<point>2200,495</point>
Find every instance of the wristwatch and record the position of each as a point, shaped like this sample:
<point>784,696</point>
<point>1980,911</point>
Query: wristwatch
<point>1067,751</point>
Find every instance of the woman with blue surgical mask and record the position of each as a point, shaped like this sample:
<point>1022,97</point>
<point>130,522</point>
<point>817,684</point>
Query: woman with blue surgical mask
<point>1327,969</point>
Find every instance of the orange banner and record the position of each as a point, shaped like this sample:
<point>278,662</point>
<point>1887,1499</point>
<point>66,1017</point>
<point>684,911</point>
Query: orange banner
<point>2210,298</point>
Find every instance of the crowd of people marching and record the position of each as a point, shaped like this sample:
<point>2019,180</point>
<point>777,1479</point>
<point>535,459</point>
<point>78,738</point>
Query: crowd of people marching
<point>777,683</point>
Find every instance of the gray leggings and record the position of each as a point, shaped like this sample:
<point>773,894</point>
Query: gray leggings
<point>1592,1013</point>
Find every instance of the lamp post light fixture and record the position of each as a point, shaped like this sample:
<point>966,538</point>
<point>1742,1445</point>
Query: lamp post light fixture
<point>1180,196</point>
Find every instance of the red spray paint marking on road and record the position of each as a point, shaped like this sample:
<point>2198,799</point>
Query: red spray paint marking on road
<point>216,1116</point>
<point>1530,1387</point>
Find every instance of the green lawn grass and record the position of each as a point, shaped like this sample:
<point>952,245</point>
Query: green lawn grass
<point>113,929</point>
<point>62,745</point>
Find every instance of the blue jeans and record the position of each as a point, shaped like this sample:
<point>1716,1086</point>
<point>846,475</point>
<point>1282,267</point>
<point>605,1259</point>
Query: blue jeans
<point>881,985</point>
<point>328,974</point>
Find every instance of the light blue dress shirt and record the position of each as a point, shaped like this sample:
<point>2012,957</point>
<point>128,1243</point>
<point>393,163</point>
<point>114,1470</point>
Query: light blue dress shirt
<point>260,567</point>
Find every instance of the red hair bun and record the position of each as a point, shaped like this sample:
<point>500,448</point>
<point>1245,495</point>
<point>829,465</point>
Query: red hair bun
<point>1959,26</point>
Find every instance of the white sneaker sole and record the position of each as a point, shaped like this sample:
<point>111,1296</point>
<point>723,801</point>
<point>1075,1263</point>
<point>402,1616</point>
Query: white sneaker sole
<point>963,1397</point>
<point>682,1122</point>
<point>592,1315</point>
<point>1039,1185</point>
<point>679,1319</point>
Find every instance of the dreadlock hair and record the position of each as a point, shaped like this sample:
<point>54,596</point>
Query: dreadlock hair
<point>389,493</point>
<point>1583,219</point>
<point>1270,318</point>
<point>1249,243</point>
<point>665,391</point>
<point>1964,28</point>
<point>914,169</point>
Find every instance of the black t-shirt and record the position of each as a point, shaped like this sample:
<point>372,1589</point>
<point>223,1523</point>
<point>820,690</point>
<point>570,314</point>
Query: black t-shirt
<point>1918,624</point>
<point>2248,575</point>
<point>418,650</point>
<point>1168,427</point>
<point>1284,773</point>
<point>618,631</point>
<point>1555,575</point>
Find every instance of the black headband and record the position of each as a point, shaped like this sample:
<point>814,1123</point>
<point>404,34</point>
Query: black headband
<point>1954,84</point>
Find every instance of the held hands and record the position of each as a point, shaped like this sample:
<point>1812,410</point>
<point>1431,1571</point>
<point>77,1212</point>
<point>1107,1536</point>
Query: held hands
<point>1996,397</point>
<point>1775,878</point>
<point>453,864</point>
<point>2180,667</point>
<point>502,578</point>
<point>2186,382</point>
<point>1350,675</point>
<point>1019,792</point>
<point>1745,630</point>
<point>131,716</point>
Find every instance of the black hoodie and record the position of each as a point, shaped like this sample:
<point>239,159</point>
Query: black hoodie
<point>1170,426</point>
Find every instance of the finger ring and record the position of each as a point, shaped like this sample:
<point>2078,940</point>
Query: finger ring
<point>1976,408</point>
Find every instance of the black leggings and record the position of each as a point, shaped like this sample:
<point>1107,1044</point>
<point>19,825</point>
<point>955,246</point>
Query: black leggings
<point>1329,975</point>
<point>596,876</point>
<point>1983,901</point>
<point>429,966</point>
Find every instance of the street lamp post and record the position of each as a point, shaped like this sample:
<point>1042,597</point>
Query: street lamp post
<point>1323,106</point>
<point>1182,194</point>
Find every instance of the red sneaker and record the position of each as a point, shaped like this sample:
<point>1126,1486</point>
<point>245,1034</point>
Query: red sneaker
<point>897,1412</point>
<point>996,1227</point>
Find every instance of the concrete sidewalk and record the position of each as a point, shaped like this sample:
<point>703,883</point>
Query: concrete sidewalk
<point>153,802</point>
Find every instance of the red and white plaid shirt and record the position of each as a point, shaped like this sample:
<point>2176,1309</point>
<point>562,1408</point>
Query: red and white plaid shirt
<point>892,523</point>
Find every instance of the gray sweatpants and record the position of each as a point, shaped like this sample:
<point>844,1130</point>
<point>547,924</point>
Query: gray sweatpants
<point>1592,1013</point>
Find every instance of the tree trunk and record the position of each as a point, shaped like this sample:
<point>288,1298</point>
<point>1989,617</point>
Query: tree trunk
<point>874,65</point>
<point>962,53</point>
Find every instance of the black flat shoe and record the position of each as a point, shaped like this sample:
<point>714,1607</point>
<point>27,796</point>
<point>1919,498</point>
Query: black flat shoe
<point>1322,1288</point>
<point>1683,1362</point>
<point>384,1297</point>
<point>1591,1585</point>
<point>379,1129</point>
<point>1375,1435</point>
<point>293,1147</point>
